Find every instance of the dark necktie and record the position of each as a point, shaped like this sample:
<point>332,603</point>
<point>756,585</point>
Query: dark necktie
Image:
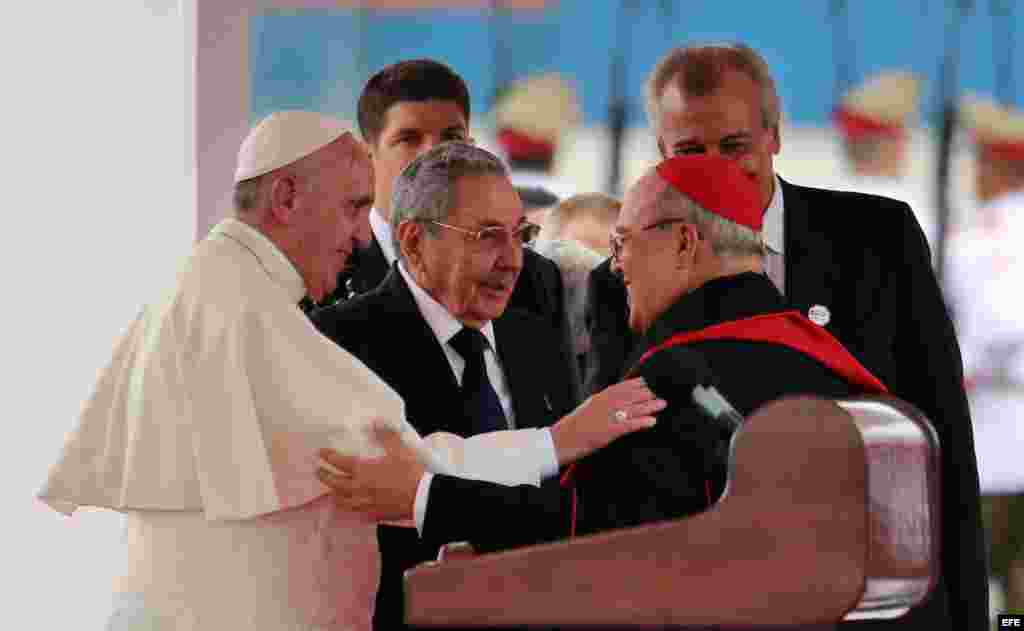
<point>480,400</point>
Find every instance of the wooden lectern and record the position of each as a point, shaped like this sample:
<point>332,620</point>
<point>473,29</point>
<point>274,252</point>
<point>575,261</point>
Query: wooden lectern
<point>831,513</point>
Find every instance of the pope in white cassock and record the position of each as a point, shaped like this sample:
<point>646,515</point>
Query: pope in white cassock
<point>204,428</point>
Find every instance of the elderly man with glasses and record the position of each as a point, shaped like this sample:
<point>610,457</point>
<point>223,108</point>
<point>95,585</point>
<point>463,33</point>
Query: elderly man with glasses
<point>437,330</point>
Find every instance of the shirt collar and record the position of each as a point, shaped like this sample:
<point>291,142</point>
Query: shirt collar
<point>441,322</point>
<point>382,232</point>
<point>774,228</point>
<point>277,265</point>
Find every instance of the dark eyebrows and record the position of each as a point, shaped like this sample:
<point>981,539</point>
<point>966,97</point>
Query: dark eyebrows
<point>689,142</point>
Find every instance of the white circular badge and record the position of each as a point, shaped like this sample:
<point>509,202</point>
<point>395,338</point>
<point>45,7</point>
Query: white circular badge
<point>819,315</point>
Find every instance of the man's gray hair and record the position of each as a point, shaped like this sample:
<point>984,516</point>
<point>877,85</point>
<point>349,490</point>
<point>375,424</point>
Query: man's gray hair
<point>425,190</point>
<point>698,70</point>
<point>254,194</point>
<point>727,238</point>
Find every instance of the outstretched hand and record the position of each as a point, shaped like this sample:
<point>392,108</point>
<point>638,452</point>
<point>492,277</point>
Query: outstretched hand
<point>384,487</point>
<point>618,410</point>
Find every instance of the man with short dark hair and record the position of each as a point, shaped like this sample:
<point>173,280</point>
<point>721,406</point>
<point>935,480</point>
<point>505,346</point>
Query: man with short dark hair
<point>404,110</point>
<point>858,265</point>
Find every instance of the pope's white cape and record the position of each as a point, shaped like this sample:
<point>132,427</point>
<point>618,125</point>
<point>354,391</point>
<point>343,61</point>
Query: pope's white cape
<point>219,395</point>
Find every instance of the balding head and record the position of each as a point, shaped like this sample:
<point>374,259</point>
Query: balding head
<point>667,244</point>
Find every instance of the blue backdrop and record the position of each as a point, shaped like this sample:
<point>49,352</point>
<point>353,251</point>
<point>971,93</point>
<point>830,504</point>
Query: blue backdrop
<point>319,59</point>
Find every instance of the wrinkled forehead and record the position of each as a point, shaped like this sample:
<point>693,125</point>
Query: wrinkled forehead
<point>639,208</point>
<point>486,199</point>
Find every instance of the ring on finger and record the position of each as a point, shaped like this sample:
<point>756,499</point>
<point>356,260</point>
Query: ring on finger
<point>621,416</point>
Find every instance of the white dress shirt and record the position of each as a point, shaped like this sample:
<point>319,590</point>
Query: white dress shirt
<point>204,429</point>
<point>774,234</point>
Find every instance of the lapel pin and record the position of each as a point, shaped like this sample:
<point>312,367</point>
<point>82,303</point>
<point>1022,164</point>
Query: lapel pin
<point>547,402</point>
<point>819,314</point>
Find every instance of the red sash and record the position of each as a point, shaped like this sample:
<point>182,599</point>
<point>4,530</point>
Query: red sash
<point>788,328</point>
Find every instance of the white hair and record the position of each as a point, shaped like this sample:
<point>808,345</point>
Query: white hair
<point>727,238</point>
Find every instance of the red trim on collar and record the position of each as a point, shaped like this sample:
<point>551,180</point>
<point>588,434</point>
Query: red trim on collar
<point>788,328</point>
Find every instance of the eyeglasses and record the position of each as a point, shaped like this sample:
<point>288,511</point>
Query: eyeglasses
<point>495,237</point>
<point>618,241</point>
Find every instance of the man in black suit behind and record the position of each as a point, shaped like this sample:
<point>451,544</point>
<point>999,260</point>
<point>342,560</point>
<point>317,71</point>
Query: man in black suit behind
<point>857,264</point>
<point>458,229</point>
<point>404,110</point>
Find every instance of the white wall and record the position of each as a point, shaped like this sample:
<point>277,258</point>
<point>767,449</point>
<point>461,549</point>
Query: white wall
<point>97,214</point>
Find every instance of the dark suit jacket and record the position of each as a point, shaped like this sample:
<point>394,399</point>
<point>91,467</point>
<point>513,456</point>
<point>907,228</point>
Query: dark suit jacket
<point>865,258</point>
<point>678,467</point>
<point>539,290</point>
<point>385,330</point>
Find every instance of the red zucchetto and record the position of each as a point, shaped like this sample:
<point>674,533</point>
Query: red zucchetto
<point>718,185</point>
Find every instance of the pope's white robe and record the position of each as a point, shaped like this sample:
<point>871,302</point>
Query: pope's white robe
<point>204,430</point>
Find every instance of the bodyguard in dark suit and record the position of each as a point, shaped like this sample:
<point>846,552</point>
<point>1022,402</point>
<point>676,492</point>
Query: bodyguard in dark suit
<point>461,228</point>
<point>858,264</point>
<point>404,110</point>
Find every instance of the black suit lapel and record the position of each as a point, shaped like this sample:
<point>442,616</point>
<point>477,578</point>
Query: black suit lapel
<point>426,369</point>
<point>371,269</point>
<point>808,253</point>
<point>527,379</point>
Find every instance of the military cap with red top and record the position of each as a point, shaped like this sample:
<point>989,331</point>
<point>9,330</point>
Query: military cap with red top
<point>878,107</point>
<point>532,115</point>
<point>718,185</point>
<point>998,130</point>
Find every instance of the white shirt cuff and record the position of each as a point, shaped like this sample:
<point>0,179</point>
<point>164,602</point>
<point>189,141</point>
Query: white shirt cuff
<point>544,450</point>
<point>419,507</point>
<point>546,446</point>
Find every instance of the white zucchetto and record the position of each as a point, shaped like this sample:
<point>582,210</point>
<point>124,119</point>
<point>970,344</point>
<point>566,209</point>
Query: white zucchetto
<point>283,138</point>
